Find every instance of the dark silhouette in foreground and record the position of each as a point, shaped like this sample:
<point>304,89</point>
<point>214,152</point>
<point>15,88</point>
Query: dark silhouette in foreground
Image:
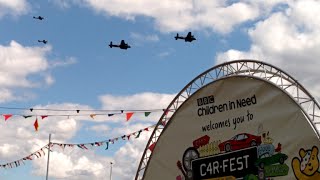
<point>43,41</point>
<point>39,17</point>
<point>188,38</point>
<point>122,45</point>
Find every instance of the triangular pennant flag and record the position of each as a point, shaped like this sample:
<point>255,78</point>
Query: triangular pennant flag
<point>110,115</point>
<point>128,136</point>
<point>29,157</point>
<point>165,111</point>
<point>129,115</point>
<point>43,117</point>
<point>83,146</point>
<point>36,125</point>
<point>43,151</point>
<point>7,116</point>
<point>146,129</point>
<point>27,116</point>
<point>139,132</point>
<point>146,114</point>
<point>92,115</point>
<point>151,147</point>
<point>62,146</point>
<point>163,123</point>
<point>123,137</point>
<point>107,143</point>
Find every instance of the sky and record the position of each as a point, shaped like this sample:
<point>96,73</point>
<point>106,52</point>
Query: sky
<point>76,70</point>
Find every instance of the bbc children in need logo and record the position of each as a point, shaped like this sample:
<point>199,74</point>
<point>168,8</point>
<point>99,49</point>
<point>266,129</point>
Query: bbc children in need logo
<point>207,106</point>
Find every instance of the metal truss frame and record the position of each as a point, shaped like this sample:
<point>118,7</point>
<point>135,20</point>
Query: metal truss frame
<point>250,68</point>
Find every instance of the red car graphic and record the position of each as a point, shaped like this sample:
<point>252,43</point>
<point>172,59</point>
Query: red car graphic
<point>240,141</point>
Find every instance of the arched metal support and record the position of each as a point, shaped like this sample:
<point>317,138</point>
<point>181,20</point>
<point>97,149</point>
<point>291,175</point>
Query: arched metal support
<point>233,68</point>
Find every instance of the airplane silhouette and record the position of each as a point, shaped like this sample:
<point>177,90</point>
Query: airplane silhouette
<point>188,38</point>
<point>43,41</point>
<point>122,45</point>
<point>39,17</point>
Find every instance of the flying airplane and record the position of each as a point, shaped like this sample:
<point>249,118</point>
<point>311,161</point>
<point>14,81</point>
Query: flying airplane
<point>122,45</point>
<point>39,17</point>
<point>188,38</point>
<point>43,41</point>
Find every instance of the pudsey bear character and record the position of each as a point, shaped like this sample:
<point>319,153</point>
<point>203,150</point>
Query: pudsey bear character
<point>307,166</point>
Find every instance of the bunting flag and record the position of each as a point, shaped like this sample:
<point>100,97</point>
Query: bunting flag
<point>27,116</point>
<point>146,114</point>
<point>129,115</point>
<point>166,111</point>
<point>7,116</point>
<point>110,115</point>
<point>151,147</point>
<point>107,143</point>
<point>42,117</point>
<point>163,123</point>
<point>82,146</point>
<point>123,137</point>
<point>92,115</point>
<point>139,132</point>
<point>36,125</point>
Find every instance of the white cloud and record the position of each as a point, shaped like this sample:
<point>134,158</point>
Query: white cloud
<point>13,7</point>
<point>25,67</point>
<point>13,59</point>
<point>181,15</point>
<point>100,128</point>
<point>144,37</point>
<point>76,165</point>
<point>66,62</point>
<point>127,158</point>
<point>290,40</point>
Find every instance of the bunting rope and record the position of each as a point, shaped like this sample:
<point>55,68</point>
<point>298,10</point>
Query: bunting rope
<point>128,114</point>
<point>85,146</point>
<point>78,110</point>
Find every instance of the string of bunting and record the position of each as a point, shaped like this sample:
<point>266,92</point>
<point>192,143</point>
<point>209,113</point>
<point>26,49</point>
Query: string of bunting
<point>128,114</point>
<point>40,153</point>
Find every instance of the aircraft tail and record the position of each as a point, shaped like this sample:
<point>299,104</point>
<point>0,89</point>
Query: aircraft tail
<point>177,36</point>
<point>110,45</point>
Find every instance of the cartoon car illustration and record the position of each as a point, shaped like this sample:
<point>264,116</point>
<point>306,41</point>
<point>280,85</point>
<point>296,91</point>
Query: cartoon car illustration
<point>240,141</point>
<point>266,160</point>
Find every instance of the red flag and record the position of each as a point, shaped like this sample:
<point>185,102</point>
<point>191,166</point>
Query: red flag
<point>7,116</point>
<point>36,125</point>
<point>43,117</point>
<point>129,115</point>
<point>151,147</point>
